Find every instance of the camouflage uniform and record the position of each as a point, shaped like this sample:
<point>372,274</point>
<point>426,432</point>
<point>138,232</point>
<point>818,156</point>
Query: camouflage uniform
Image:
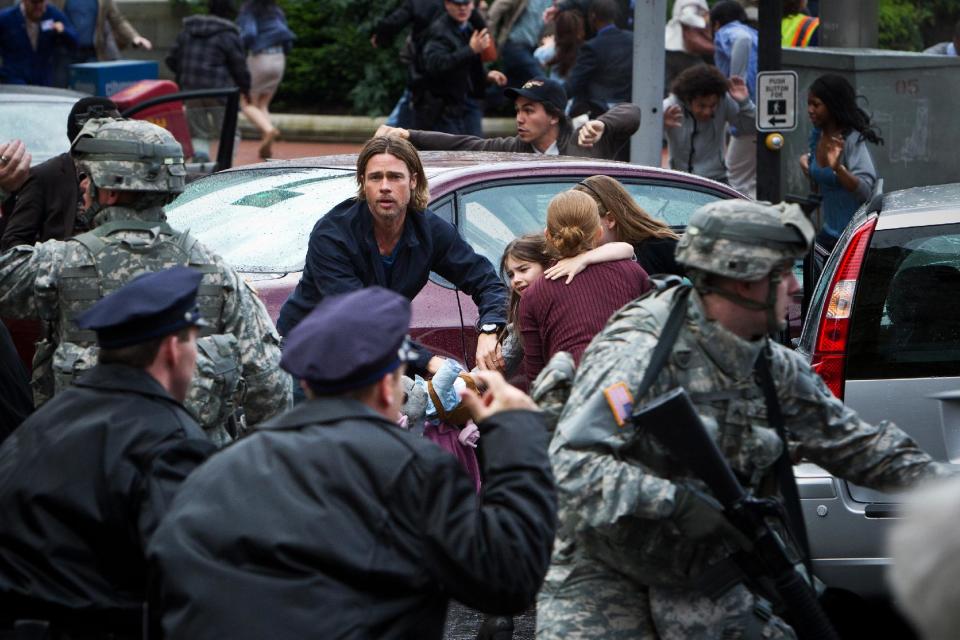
<point>238,355</point>
<point>622,568</point>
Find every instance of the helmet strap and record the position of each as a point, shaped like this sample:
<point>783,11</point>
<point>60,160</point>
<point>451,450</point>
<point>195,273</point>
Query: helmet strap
<point>770,305</point>
<point>773,322</point>
<point>87,216</point>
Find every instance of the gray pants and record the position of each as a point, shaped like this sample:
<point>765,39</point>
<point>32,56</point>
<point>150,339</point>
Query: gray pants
<point>741,163</point>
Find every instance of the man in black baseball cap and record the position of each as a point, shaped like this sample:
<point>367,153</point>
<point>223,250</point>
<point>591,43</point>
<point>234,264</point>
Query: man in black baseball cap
<point>86,478</point>
<point>542,128</point>
<point>356,527</point>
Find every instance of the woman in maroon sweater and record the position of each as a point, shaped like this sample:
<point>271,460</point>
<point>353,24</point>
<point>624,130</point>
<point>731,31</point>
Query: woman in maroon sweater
<point>555,316</point>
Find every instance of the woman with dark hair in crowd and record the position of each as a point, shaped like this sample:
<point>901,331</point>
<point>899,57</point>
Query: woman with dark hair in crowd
<point>623,220</point>
<point>525,260</point>
<point>559,51</point>
<point>268,39</point>
<point>557,316</point>
<point>695,116</point>
<point>838,162</point>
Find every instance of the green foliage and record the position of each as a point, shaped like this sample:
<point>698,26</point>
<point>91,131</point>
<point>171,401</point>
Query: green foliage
<point>913,25</point>
<point>900,22</point>
<point>333,67</point>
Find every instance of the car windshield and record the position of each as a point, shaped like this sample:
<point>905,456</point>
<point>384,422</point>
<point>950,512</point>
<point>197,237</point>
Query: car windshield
<point>260,220</point>
<point>42,126</point>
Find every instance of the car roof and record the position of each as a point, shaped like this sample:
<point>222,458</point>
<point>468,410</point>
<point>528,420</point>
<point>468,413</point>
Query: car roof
<point>454,165</point>
<point>920,207</point>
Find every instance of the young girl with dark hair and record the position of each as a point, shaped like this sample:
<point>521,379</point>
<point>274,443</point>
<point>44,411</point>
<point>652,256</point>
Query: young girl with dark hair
<point>526,260</point>
<point>838,162</point>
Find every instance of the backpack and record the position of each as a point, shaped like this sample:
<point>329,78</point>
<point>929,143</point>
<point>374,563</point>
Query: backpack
<point>111,261</point>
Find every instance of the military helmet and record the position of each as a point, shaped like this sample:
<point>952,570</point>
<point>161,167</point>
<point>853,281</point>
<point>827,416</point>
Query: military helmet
<point>744,240</point>
<point>129,155</point>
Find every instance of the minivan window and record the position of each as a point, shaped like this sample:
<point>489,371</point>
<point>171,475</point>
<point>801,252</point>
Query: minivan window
<point>906,316</point>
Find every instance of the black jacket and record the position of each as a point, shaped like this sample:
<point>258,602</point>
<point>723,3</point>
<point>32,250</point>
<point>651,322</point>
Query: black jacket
<point>46,205</point>
<point>621,122</point>
<point>451,70</point>
<point>83,483</point>
<point>209,54</point>
<point>419,14</point>
<point>657,256</point>
<point>356,529</point>
<point>342,256</point>
<point>603,72</point>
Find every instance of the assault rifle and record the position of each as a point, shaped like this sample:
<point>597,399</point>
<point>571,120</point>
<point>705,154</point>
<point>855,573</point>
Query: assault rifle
<point>672,419</point>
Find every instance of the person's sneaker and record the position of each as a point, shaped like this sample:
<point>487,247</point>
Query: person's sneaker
<point>496,628</point>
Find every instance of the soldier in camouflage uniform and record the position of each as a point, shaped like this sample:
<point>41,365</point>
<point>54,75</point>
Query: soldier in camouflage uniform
<point>133,168</point>
<point>640,552</point>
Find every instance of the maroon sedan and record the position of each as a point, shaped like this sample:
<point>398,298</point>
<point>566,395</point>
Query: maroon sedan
<point>259,217</point>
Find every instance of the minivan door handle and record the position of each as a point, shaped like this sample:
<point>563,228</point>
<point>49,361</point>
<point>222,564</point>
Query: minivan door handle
<point>950,422</point>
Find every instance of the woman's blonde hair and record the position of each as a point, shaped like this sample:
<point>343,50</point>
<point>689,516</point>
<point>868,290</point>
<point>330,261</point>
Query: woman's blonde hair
<point>634,225</point>
<point>572,224</point>
<point>403,150</point>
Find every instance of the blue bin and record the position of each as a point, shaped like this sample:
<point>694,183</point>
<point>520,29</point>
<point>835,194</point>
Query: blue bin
<point>107,78</point>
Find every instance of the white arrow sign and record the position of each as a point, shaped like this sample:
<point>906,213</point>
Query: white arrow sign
<point>776,101</point>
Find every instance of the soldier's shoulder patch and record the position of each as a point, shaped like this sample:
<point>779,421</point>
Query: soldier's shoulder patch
<point>620,401</point>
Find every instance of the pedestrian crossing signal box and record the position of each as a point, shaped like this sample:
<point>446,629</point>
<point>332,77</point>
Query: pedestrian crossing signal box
<point>776,101</point>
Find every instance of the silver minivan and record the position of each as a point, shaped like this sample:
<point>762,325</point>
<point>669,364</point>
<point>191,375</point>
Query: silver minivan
<point>883,330</point>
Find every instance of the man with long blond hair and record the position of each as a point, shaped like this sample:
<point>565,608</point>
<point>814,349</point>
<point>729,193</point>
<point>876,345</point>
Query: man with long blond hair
<point>387,236</point>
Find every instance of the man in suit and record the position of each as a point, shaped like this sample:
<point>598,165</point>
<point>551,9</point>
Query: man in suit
<point>602,74</point>
<point>46,205</point>
<point>29,32</point>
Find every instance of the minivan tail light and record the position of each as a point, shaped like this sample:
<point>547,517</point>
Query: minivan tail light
<point>830,350</point>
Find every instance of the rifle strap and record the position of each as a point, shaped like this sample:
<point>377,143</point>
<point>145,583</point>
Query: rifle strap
<point>668,336</point>
<point>783,466</point>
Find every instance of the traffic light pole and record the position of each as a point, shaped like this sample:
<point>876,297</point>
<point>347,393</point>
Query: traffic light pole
<point>649,17</point>
<point>768,54</point>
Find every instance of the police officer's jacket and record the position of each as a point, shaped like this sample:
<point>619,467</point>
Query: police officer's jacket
<point>357,529</point>
<point>83,483</point>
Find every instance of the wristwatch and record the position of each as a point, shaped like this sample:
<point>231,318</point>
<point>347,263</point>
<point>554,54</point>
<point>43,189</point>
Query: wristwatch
<point>490,327</point>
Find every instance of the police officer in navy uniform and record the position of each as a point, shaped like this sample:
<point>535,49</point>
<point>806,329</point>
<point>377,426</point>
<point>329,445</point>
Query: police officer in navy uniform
<point>85,480</point>
<point>358,529</point>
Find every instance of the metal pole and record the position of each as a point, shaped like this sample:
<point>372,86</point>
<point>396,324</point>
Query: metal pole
<point>768,162</point>
<point>649,22</point>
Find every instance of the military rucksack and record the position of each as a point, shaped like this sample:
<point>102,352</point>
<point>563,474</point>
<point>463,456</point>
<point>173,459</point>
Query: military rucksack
<point>113,259</point>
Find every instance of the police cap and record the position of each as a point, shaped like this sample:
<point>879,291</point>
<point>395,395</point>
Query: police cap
<point>350,341</point>
<point>151,305</point>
